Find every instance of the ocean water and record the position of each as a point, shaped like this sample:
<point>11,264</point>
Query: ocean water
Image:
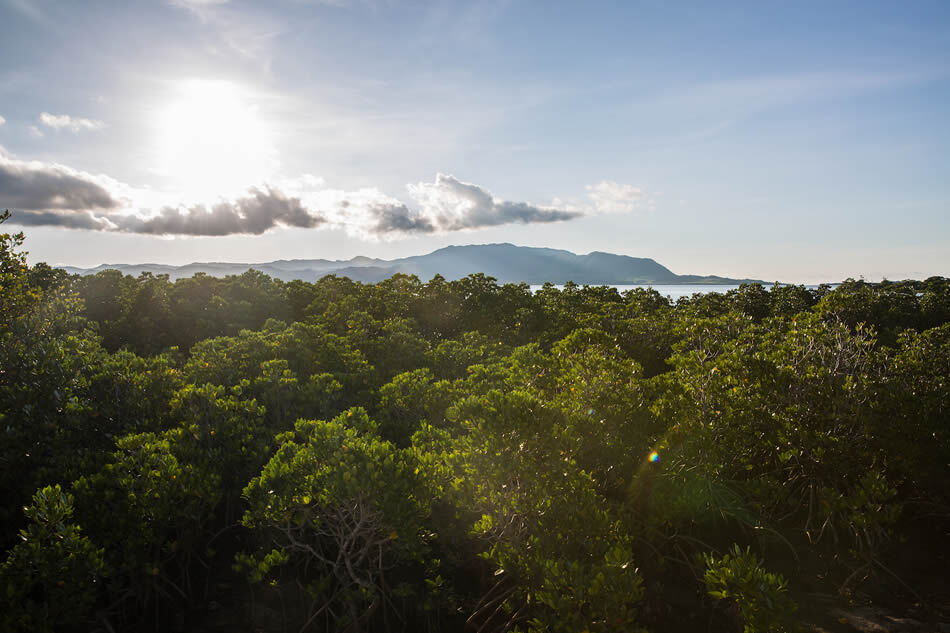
<point>675,291</point>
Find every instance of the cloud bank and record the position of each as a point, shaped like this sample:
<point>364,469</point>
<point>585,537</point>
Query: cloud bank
<point>445,205</point>
<point>48,194</point>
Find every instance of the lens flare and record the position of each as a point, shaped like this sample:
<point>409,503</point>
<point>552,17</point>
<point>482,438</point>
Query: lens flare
<point>654,457</point>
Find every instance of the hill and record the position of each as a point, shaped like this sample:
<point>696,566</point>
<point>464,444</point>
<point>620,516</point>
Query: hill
<point>505,262</point>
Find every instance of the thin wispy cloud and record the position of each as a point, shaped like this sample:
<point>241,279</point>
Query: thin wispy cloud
<point>28,8</point>
<point>70,123</point>
<point>197,5</point>
<point>614,197</point>
<point>756,93</point>
<point>2,121</point>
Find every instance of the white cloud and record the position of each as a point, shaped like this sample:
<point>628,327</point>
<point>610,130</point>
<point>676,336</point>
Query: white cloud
<point>2,120</point>
<point>55,195</point>
<point>66,122</point>
<point>368,213</point>
<point>36,132</point>
<point>453,205</point>
<point>614,197</point>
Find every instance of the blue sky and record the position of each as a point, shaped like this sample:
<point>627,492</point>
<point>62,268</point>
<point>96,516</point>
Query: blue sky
<point>795,141</point>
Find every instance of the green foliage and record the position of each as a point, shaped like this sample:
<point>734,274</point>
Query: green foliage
<point>412,399</point>
<point>452,358</point>
<point>151,509</point>
<point>561,561</point>
<point>760,597</point>
<point>788,410</point>
<point>50,580</point>
<point>47,356</point>
<point>16,293</point>
<point>495,459</point>
<point>221,432</point>
<point>344,507</point>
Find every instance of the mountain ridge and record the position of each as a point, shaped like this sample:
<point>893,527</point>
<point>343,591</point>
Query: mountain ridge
<point>505,262</point>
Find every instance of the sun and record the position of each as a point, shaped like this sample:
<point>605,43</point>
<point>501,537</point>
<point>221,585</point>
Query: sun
<point>211,142</point>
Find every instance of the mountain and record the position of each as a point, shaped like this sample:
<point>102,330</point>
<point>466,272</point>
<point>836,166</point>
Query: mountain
<point>505,262</point>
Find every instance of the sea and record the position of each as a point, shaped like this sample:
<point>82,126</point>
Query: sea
<point>676,291</point>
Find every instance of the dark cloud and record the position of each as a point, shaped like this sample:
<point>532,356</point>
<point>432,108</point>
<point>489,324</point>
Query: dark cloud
<point>34,186</point>
<point>50,195</point>
<point>254,214</point>
<point>64,219</point>
<point>509,213</point>
<point>398,218</point>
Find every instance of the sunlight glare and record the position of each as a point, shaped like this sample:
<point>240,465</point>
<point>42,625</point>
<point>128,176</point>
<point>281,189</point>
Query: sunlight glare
<point>211,141</point>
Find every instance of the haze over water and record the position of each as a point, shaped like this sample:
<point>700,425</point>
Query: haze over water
<point>677,291</point>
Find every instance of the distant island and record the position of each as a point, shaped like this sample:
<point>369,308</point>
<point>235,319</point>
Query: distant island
<point>505,262</point>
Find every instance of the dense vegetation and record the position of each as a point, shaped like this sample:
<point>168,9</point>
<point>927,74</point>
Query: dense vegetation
<point>248,454</point>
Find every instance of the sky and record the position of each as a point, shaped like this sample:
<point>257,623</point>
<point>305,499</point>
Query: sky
<point>794,141</point>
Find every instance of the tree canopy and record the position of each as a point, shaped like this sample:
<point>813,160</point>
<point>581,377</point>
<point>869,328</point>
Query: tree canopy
<point>249,454</point>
